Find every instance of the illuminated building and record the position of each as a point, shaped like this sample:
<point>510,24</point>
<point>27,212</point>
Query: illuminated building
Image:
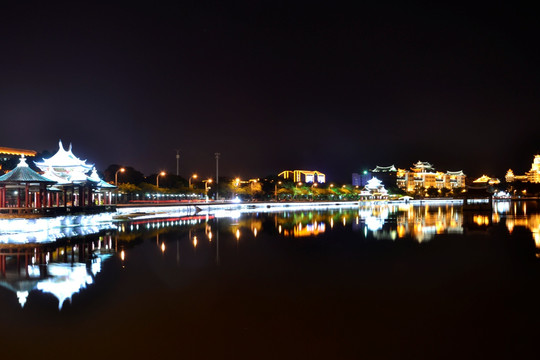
<point>306,176</point>
<point>7,154</point>
<point>484,179</point>
<point>423,174</point>
<point>23,187</point>
<point>532,176</point>
<point>374,190</point>
<point>79,181</point>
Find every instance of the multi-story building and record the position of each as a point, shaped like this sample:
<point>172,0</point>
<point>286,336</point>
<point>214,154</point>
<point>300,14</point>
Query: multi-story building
<point>361,179</point>
<point>307,176</point>
<point>532,176</point>
<point>423,174</point>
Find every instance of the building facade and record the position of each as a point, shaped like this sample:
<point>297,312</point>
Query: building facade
<point>532,176</point>
<point>423,175</point>
<point>306,176</point>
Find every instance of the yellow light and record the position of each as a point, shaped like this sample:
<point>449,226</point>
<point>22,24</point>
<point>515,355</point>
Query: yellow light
<point>195,241</point>
<point>237,234</point>
<point>162,173</point>
<point>122,255</point>
<point>210,236</point>
<point>162,247</point>
<point>255,232</point>
<point>194,176</point>
<point>122,169</point>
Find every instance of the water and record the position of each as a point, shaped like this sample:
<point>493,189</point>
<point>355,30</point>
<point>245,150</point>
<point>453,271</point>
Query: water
<point>382,281</point>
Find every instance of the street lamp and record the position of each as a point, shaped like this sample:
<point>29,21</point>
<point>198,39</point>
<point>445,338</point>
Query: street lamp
<point>157,177</point>
<point>275,188</point>
<point>116,175</point>
<point>206,186</point>
<point>194,176</point>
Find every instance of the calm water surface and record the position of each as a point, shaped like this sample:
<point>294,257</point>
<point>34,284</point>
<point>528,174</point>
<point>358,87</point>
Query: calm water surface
<point>381,281</point>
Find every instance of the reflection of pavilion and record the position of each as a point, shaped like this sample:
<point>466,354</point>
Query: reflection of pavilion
<point>59,270</point>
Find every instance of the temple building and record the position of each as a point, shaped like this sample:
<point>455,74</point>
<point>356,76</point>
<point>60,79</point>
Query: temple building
<point>24,188</point>
<point>374,190</point>
<point>486,180</point>
<point>423,174</point>
<point>306,176</point>
<point>532,176</point>
<point>78,180</point>
<point>67,183</point>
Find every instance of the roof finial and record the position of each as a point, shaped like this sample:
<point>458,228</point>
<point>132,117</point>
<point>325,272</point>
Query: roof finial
<point>69,147</point>
<point>22,162</point>
<point>60,144</point>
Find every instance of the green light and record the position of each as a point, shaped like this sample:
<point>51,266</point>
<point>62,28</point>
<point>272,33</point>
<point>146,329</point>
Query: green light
<point>365,172</point>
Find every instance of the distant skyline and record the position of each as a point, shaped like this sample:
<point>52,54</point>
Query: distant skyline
<point>337,87</point>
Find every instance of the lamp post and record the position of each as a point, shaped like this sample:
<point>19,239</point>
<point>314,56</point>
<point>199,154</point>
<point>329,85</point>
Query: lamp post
<point>116,175</point>
<point>206,187</point>
<point>116,183</point>
<point>275,188</point>
<point>194,176</point>
<point>217,174</point>
<point>157,177</point>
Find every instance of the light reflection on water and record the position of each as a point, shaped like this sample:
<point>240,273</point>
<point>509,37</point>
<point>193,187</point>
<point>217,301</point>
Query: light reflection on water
<point>63,270</point>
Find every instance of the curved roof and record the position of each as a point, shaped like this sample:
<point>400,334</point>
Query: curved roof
<point>63,159</point>
<point>384,168</point>
<point>23,174</point>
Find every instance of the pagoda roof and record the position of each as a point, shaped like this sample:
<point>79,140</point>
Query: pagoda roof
<point>460,172</point>
<point>64,159</point>
<point>23,174</point>
<point>384,168</point>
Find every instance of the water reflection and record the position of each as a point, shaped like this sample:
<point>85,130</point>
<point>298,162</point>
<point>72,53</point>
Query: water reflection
<point>60,270</point>
<point>65,267</point>
<point>45,230</point>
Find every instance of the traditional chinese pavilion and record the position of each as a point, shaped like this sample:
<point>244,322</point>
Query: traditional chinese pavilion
<point>78,180</point>
<point>23,187</point>
<point>66,183</point>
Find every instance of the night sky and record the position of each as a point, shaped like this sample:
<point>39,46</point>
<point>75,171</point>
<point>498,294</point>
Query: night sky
<point>273,85</point>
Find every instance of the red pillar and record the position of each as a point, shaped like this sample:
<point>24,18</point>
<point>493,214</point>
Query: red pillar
<point>57,199</point>
<point>27,196</point>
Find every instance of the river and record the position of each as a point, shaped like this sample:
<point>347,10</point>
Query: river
<point>363,281</point>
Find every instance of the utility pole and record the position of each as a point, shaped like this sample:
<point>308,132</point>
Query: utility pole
<point>177,162</point>
<point>217,174</point>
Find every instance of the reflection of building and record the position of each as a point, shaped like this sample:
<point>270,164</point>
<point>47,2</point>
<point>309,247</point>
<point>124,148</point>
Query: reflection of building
<point>423,175</point>
<point>58,270</point>
<point>307,176</point>
<point>532,176</point>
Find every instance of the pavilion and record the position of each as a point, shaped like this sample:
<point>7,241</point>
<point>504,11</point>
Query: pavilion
<point>71,177</point>
<point>67,183</point>
<point>374,189</point>
<point>23,187</point>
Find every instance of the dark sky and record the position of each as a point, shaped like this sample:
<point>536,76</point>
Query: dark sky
<point>273,85</point>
